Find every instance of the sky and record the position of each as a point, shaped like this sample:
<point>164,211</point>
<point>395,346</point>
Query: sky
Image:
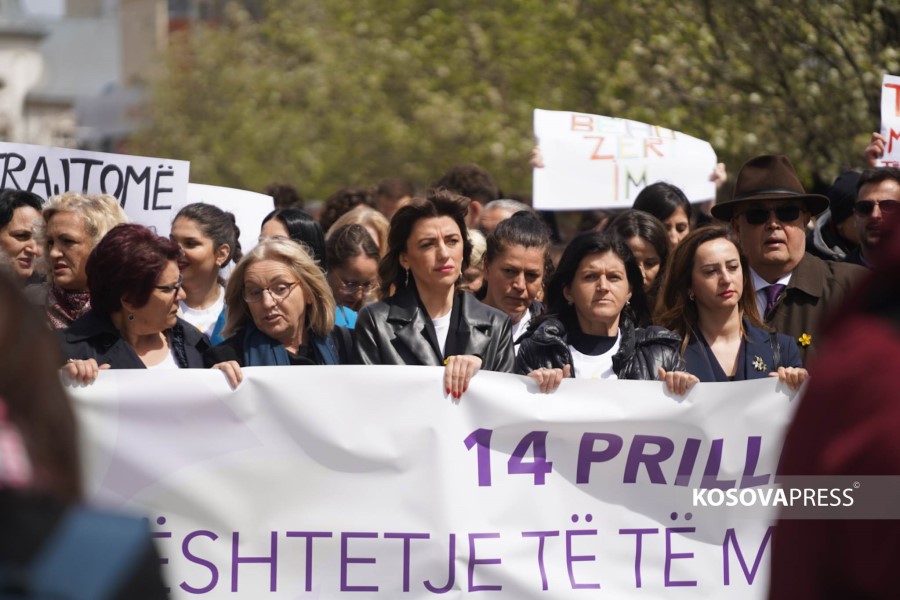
<point>44,7</point>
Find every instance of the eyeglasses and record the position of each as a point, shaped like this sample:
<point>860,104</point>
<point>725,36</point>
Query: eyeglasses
<point>279,292</point>
<point>785,214</point>
<point>865,208</point>
<point>171,288</point>
<point>354,286</point>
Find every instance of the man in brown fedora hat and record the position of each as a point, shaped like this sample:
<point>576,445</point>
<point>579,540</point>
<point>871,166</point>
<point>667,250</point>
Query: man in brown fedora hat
<point>769,211</point>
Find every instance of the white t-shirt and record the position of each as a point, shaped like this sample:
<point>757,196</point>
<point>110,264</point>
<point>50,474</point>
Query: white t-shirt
<point>595,367</point>
<point>204,319</point>
<point>521,327</point>
<point>441,329</point>
<point>167,363</point>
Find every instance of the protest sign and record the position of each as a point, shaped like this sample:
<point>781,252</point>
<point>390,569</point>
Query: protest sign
<point>890,121</point>
<point>147,188</point>
<point>593,162</point>
<point>367,482</point>
<point>248,208</point>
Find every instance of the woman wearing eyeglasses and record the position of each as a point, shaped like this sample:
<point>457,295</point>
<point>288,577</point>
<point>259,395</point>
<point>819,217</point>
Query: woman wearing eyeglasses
<point>134,285</point>
<point>428,320</point>
<point>280,312</point>
<point>352,259</point>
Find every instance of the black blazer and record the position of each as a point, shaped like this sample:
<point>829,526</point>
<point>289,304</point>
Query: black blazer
<point>395,331</point>
<point>759,355</point>
<point>93,335</point>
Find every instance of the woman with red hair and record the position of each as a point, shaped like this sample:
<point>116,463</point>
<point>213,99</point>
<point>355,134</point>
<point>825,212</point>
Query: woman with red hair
<point>135,286</point>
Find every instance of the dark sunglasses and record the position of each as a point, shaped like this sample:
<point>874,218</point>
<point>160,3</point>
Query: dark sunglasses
<point>865,208</point>
<point>785,214</point>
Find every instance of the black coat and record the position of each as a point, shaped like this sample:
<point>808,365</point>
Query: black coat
<point>641,351</point>
<point>93,335</point>
<point>395,331</point>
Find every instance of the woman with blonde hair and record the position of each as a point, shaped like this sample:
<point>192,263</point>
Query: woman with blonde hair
<point>280,312</point>
<point>375,223</point>
<point>73,224</point>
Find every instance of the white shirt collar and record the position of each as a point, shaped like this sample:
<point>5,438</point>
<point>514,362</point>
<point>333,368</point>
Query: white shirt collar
<point>759,283</point>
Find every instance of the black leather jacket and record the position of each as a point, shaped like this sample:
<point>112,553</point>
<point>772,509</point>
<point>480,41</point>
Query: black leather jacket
<point>641,351</point>
<point>393,332</point>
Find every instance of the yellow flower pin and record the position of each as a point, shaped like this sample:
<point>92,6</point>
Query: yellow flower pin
<point>805,340</point>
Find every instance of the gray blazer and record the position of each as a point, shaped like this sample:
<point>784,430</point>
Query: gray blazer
<point>395,331</point>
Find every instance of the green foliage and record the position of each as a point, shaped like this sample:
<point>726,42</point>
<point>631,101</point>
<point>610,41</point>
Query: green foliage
<point>344,92</point>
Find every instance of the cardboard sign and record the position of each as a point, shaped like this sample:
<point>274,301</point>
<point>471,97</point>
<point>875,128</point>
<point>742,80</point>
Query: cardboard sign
<point>147,188</point>
<point>593,162</point>
<point>890,121</point>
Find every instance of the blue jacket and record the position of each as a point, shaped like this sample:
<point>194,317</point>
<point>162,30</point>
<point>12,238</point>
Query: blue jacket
<point>757,356</point>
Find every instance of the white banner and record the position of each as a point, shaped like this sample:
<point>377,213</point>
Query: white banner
<point>367,482</point>
<point>147,188</point>
<point>593,162</point>
<point>890,121</point>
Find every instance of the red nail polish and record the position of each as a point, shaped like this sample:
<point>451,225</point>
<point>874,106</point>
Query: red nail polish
<point>448,390</point>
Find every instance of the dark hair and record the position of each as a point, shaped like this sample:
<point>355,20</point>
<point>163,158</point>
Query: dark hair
<point>127,264</point>
<point>35,401</point>
<point>635,223</point>
<point>661,200</point>
<point>587,244</point>
<point>395,188</point>
<point>437,203</point>
<point>348,242</point>
<point>343,201</point>
<point>216,224</point>
<point>674,309</point>
<point>284,195</point>
<point>470,181</point>
<point>522,229</point>
<point>877,175</point>
<point>10,200</point>
<point>301,227</point>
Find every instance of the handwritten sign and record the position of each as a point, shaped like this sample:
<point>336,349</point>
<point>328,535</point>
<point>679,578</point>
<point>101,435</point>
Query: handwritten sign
<point>368,482</point>
<point>890,121</point>
<point>147,188</point>
<point>592,161</point>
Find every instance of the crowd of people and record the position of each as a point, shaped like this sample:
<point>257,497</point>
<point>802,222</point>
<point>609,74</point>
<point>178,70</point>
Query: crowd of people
<point>385,276</point>
<point>455,276</point>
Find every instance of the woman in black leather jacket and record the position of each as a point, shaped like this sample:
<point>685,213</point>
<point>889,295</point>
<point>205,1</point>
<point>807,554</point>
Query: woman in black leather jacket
<point>427,320</point>
<point>588,332</point>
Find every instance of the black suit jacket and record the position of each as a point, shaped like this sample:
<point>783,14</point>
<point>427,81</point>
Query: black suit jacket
<point>94,336</point>
<point>395,332</point>
<point>759,355</point>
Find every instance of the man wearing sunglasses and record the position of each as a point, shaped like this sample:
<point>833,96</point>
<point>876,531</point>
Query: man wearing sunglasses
<point>769,211</point>
<point>877,197</point>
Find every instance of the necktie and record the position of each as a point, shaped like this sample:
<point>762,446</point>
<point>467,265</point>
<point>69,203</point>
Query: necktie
<point>772,293</point>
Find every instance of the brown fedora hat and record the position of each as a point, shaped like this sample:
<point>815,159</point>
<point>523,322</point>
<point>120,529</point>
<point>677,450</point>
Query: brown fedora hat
<point>768,177</point>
